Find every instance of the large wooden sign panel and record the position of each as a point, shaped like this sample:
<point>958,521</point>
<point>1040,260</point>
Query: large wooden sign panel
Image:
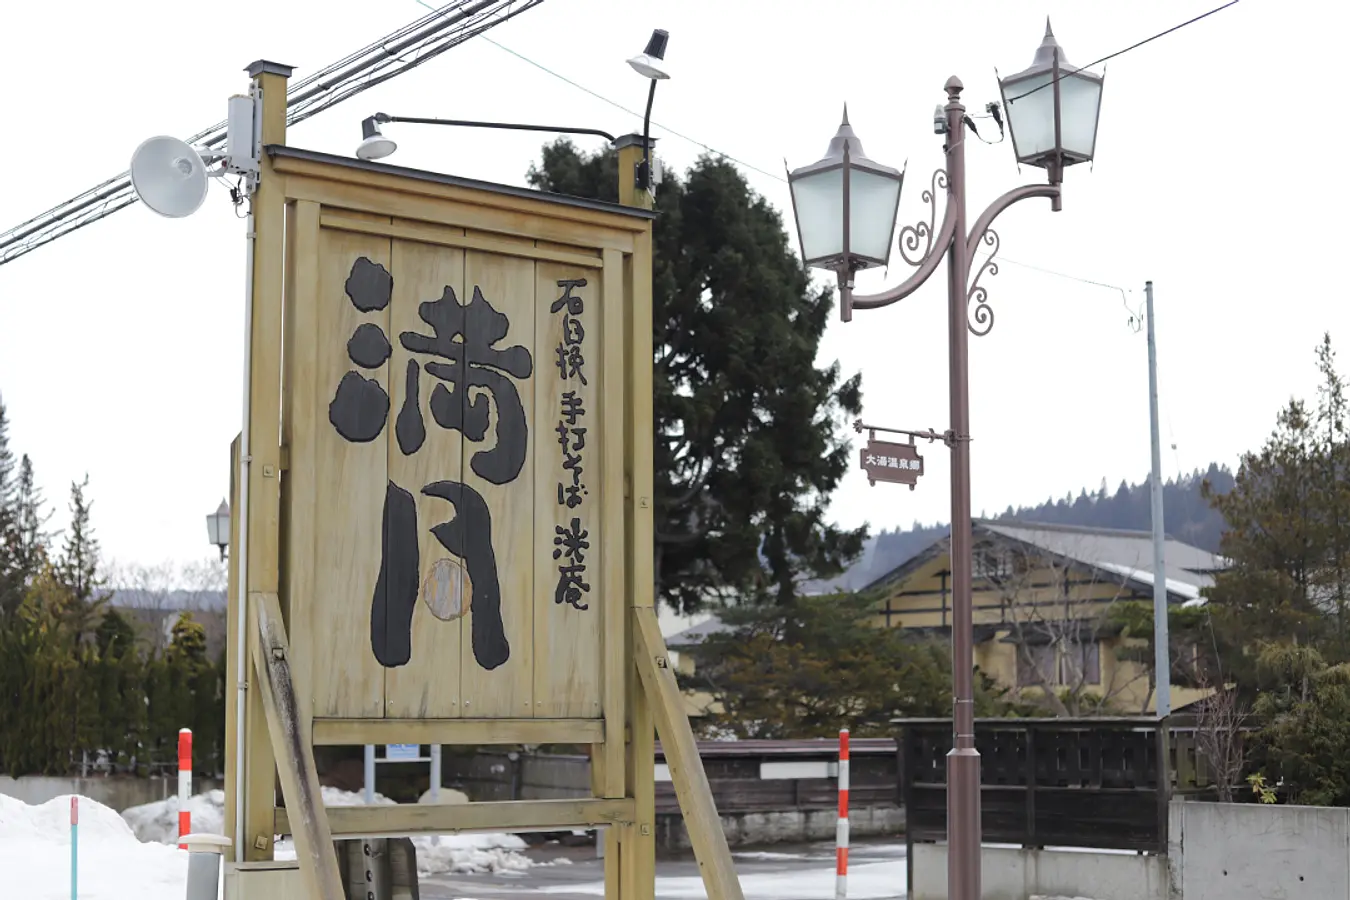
<point>451,409</point>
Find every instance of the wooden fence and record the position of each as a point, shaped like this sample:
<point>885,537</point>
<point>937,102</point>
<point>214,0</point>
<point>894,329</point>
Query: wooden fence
<point>745,776</point>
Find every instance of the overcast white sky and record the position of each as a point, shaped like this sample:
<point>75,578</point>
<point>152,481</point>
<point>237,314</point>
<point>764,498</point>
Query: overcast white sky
<point>1219,177</point>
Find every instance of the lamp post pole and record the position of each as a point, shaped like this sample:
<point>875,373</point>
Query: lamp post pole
<point>967,313</point>
<point>963,762</point>
<point>845,207</point>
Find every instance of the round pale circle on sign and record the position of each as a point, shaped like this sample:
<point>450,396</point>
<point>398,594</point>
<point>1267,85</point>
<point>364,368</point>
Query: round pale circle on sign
<point>447,591</point>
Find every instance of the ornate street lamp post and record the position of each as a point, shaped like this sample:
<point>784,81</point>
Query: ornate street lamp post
<point>845,209</point>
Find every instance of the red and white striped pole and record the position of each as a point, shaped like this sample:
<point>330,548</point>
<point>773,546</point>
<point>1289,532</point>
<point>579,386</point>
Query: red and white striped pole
<point>841,829</point>
<point>184,784</point>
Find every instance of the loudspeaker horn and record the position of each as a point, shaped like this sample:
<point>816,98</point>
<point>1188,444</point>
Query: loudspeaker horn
<point>169,176</point>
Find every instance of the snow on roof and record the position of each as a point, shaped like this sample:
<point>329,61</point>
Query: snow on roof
<point>1174,586</point>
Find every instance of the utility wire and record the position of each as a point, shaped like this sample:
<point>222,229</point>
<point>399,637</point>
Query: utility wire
<point>1134,46</point>
<point>407,48</point>
<point>1134,313</point>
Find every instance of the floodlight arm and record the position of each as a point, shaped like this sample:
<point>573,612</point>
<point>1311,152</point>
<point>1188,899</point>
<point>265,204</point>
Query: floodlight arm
<point>645,176</point>
<point>383,118</point>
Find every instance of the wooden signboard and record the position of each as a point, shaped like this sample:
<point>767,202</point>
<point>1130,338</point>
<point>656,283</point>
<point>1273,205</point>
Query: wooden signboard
<point>890,461</point>
<point>446,494</point>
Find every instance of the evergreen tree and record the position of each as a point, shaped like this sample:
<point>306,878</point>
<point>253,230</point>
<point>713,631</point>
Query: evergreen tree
<point>750,435</point>
<point>1333,578</point>
<point>806,668</point>
<point>1289,531</point>
<point>30,519</point>
<point>79,565</point>
<point>11,578</point>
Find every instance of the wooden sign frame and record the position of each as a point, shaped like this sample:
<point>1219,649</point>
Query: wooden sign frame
<point>369,281</point>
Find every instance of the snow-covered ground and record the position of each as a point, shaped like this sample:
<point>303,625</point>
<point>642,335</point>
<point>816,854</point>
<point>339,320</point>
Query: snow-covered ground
<point>436,855</point>
<point>134,855</point>
<point>113,865</point>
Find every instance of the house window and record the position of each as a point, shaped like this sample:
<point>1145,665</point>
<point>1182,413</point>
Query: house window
<point>1066,662</point>
<point>990,564</point>
<point>1081,661</point>
<point>1035,662</point>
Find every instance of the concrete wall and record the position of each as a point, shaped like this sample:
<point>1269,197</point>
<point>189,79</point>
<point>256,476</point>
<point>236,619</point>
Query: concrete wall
<point>117,793</point>
<point>750,829</point>
<point>1241,851</point>
<point>1010,873</point>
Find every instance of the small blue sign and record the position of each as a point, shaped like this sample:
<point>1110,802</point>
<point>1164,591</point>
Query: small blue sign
<point>402,752</point>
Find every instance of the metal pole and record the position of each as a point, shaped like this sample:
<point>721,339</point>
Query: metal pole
<point>1162,666</point>
<point>435,773</point>
<point>963,763</point>
<point>368,789</point>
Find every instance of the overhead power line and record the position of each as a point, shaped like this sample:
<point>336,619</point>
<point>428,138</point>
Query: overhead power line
<point>391,56</point>
<point>697,143</point>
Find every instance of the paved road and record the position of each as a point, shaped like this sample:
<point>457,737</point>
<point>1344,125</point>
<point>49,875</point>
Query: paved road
<point>876,872</point>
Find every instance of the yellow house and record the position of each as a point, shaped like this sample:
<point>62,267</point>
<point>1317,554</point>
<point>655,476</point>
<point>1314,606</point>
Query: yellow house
<point>1043,599</point>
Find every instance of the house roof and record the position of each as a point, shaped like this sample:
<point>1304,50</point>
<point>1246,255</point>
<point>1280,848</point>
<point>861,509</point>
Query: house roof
<point>1116,552</point>
<point>1127,554</point>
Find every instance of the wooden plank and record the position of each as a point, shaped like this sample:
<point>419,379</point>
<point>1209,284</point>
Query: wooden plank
<point>511,815</point>
<point>528,207</point>
<point>636,859</point>
<point>300,415</point>
<point>570,595</point>
<point>686,768</point>
<point>497,645</point>
<point>425,681</point>
<point>350,469</point>
<point>463,732</point>
<point>430,233</point>
<point>232,670</point>
<point>641,555</point>
<point>298,774</point>
<point>614,639</point>
<point>469,212</point>
<point>259,541</point>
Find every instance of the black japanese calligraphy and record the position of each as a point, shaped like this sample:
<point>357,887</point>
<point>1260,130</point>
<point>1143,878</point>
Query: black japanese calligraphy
<point>391,609</point>
<point>369,285</point>
<point>474,361</point>
<point>571,545</point>
<point>361,405</point>
<point>570,361</point>
<point>369,348</point>
<point>463,344</point>
<point>410,430</point>
<point>359,408</point>
<point>469,536</point>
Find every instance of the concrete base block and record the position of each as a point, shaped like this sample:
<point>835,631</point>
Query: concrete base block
<point>1010,873</point>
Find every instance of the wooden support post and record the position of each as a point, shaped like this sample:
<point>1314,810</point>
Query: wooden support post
<point>260,535</point>
<point>308,821</point>
<point>630,852</point>
<point>686,767</point>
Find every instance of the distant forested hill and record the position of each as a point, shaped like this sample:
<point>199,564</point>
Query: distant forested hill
<point>1187,515</point>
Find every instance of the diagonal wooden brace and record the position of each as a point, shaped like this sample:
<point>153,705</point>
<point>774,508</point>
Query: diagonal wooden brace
<point>294,754</point>
<point>681,751</point>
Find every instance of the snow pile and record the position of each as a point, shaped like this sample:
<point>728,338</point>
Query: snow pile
<point>464,854</point>
<point>159,821</point>
<point>113,865</point>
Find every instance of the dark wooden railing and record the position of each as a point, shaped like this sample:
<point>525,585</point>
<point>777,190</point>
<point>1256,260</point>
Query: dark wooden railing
<point>1046,782</point>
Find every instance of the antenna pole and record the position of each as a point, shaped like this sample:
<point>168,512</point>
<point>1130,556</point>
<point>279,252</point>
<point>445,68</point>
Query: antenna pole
<point>1162,677</point>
